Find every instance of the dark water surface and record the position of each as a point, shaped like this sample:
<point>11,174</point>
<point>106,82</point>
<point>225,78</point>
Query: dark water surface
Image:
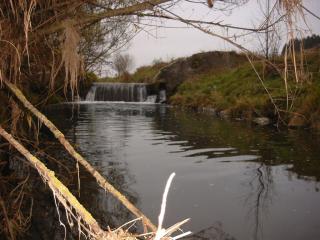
<point>234,181</point>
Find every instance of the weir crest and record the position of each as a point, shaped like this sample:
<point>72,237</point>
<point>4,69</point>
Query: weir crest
<point>125,92</point>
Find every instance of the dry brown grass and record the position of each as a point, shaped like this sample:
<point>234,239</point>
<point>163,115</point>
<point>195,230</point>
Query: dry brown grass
<point>39,39</point>
<point>70,56</point>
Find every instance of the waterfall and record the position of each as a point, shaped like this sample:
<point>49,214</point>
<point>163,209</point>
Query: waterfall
<point>126,92</point>
<point>162,96</point>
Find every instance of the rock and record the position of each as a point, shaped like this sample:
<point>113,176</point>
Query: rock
<point>209,110</point>
<point>297,121</point>
<point>315,124</point>
<point>225,114</point>
<point>262,121</point>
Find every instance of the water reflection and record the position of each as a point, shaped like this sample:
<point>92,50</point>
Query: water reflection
<point>260,196</point>
<point>214,232</point>
<point>298,149</point>
<point>241,182</point>
<point>104,151</point>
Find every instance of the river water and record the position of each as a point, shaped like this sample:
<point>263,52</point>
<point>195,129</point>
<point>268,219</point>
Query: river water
<point>234,181</point>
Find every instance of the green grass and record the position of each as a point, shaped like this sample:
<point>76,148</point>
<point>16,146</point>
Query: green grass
<point>241,91</point>
<point>221,91</point>
<point>143,74</point>
<point>147,73</point>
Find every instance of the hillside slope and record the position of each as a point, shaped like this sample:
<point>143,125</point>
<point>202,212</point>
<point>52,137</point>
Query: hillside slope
<point>240,94</point>
<point>226,83</point>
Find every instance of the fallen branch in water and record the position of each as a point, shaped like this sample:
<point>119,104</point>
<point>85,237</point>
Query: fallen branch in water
<point>59,189</point>
<point>74,208</point>
<point>59,135</point>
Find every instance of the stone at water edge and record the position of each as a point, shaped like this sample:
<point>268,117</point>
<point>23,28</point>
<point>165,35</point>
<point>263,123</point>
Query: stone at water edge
<point>225,114</point>
<point>262,121</point>
<point>297,121</point>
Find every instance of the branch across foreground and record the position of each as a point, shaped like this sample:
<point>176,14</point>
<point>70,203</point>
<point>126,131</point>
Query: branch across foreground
<point>57,187</point>
<point>59,135</point>
<point>49,27</point>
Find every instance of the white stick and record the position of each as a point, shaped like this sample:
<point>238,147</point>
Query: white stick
<point>181,235</point>
<point>160,231</point>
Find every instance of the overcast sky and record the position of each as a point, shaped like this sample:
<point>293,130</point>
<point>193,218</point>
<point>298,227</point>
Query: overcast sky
<point>180,40</point>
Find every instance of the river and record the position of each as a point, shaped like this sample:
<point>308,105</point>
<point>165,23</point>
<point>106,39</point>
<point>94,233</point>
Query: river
<point>234,180</point>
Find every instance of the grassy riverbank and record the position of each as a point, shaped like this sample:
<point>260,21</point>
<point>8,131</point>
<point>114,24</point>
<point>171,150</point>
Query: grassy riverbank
<point>240,94</point>
<point>237,91</point>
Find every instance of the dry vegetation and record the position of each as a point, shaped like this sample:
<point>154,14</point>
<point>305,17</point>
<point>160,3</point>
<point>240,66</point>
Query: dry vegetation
<point>239,93</point>
<point>46,46</point>
<point>45,43</point>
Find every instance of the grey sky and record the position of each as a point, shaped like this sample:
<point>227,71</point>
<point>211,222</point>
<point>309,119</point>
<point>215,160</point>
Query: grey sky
<point>167,43</point>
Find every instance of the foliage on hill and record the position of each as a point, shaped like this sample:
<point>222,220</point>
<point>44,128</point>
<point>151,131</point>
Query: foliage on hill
<point>307,43</point>
<point>144,74</point>
<point>177,71</point>
<point>210,80</point>
<point>242,94</point>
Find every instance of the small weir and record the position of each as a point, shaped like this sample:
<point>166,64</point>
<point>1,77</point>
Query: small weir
<point>125,92</point>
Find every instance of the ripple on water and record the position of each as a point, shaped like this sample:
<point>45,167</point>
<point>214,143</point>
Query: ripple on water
<point>249,184</point>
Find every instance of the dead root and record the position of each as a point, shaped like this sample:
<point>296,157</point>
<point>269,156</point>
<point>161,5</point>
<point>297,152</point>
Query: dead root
<point>76,214</point>
<point>15,210</point>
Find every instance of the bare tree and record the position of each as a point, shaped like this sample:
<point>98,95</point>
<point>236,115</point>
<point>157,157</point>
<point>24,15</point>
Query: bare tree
<point>269,39</point>
<point>102,39</point>
<point>122,63</point>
